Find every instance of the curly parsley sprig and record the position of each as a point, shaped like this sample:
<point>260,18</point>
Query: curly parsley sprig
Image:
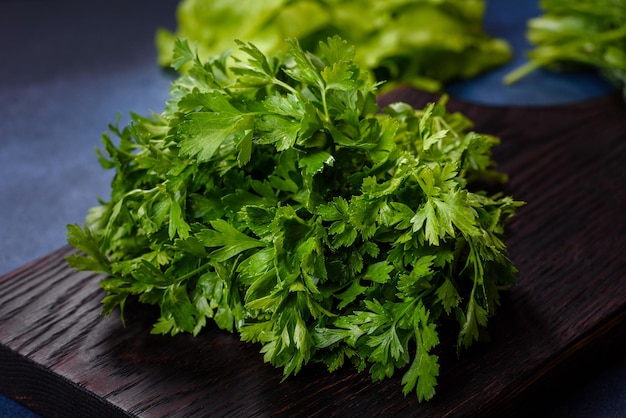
<point>273,197</point>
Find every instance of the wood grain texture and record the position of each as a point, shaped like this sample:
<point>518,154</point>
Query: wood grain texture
<point>60,357</point>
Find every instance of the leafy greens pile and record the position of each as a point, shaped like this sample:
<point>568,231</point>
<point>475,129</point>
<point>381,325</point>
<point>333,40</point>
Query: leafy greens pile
<point>273,197</point>
<point>424,43</point>
<point>574,33</point>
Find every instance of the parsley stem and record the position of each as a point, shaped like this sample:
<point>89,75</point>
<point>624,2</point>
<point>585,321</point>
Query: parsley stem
<point>192,273</point>
<point>324,104</point>
<point>286,86</point>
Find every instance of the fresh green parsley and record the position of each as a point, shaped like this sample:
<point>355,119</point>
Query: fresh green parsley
<point>424,43</point>
<point>273,197</point>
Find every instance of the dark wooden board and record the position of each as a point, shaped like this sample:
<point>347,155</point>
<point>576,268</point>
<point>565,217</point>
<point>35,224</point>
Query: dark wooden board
<point>60,357</point>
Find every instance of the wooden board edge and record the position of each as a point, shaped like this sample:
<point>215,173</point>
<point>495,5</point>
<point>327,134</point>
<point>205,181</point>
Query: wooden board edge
<point>47,393</point>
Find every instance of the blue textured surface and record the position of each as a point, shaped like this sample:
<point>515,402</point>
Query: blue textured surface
<point>69,67</point>
<point>12,409</point>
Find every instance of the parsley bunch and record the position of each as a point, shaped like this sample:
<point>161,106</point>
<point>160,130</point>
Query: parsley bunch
<point>273,197</point>
<point>574,33</point>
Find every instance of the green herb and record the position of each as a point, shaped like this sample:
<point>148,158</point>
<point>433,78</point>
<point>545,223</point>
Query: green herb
<point>424,43</point>
<point>578,33</point>
<point>273,197</point>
